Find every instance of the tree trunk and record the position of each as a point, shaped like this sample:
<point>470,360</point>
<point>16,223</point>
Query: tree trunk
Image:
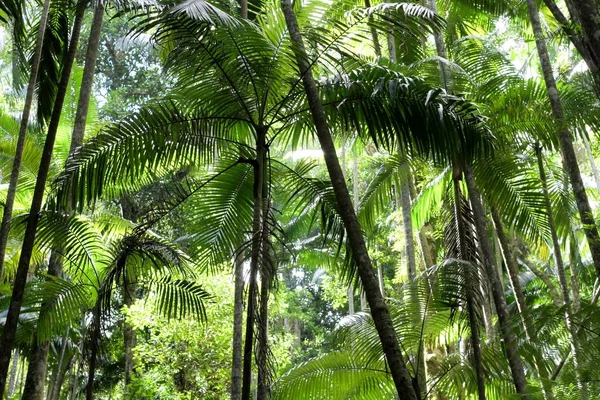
<point>510,342</point>
<point>61,371</point>
<point>267,272</point>
<point>87,80</point>
<point>379,310</point>
<point>513,273</point>
<point>590,154</point>
<point>94,344</point>
<point>565,139</point>
<point>254,261</point>
<point>129,334</point>
<point>13,373</point>
<point>562,276</point>
<point>16,168</point>
<point>473,320</point>
<point>34,386</point>
<point>238,316</point>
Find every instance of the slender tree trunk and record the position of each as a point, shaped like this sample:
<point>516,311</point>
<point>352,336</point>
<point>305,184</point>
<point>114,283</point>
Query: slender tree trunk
<point>129,334</point>
<point>590,154</point>
<point>267,272</point>
<point>238,316</point>
<point>35,386</point>
<point>562,276</point>
<point>94,344</point>
<point>13,373</point>
<point>513,273</point>
<point>411,265</point>
<point>254,261</point>
<point>565,139</point>
<point>510,342</point>
<point>473,320</point>
<point>61,371</point>
<point>87,80</point>
<point>379,310</point>
<point>16,168</point>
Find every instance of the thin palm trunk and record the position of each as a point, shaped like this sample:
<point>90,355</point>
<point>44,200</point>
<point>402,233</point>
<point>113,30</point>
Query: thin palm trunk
<point>495,283</point>
<point>530,332</point>
<point>379,310</point>
<point>471,309</point>
<point>588,150</point>
<point>94,345</point>
<point>129,334</point>
<point>13,373</point>
<point>566,140</point>
<point>257,218</point>
<point>562,276</point>
<point>87,80</point>
<point>267,273</point>
<point>411,265</point>
<point>238,316</point>
<point>56,383</point>
<point>16,168</point>
<point>36,385</point>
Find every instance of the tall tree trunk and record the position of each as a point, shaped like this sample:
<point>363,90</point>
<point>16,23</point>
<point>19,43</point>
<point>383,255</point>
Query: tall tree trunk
<point>267,272</point>
<point>562,276</point>
<point>590,154</point>
<point>13,373</point>
<point>16,168</point>
<point>379,310</point>
<point>513,273</point>
<point>238,316</point>
<point>87,80</point>
<point>35,386</point>
<point>254,260</point>
<point>411,265</point>
<point>129,334</point>
<point>94,344</point>
<point>129,213</point>
<point>495,283</point>
<point>565,139</point>
<point>61,370</point>
<point>471,310</point>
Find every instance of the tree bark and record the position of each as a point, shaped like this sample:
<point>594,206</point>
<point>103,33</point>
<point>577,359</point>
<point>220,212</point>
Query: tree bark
<point>473,320</point>
<point>510,342</point>
<point>94,344</point>
<point>562,276</point>
<point>267,272</point>
<point>16,168</point>
<point>565,139</point>
<point>129,334</point>
<point>254,260</point>
<point>238,316</point>
<point>87,80</point>
<point>35,386</point>
<point>61,370</point>
<point>513,273</point>
<point>379,310</point>
<point>13,373</point>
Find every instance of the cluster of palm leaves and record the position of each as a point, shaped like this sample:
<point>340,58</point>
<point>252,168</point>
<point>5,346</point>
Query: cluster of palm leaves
<point>213,146</point>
